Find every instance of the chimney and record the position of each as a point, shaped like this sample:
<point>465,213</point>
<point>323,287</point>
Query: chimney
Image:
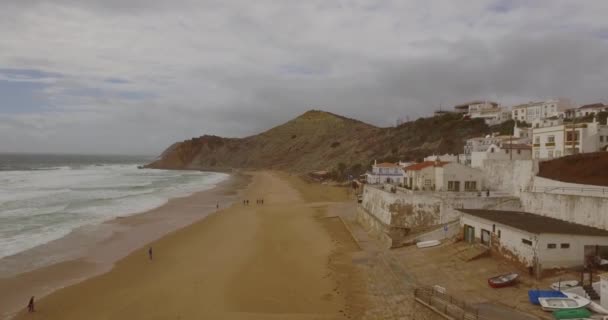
<point>375,162</point>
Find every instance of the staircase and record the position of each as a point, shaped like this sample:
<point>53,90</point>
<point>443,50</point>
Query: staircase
<point>591,293</point>
<point>468,252</point>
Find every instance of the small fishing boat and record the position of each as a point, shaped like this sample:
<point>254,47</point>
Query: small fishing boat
<point>533,295</point>
<point>564,285</point>
<point>504,280</point>
<point>572,301</point>
<point>580,313</point>
<point>428,244</point>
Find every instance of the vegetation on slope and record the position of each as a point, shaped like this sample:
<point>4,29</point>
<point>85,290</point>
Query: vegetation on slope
<point>319,140</point>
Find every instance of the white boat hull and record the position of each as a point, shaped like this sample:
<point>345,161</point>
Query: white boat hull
<point>573,301</point>
<point>428,244</point>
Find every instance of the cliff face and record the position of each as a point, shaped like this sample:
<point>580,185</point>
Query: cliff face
<point>319,140</point>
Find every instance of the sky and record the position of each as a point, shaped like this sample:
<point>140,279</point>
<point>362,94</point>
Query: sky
<point>134,76</point>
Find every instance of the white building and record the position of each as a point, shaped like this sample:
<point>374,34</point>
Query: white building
<point>386,173</point>
<point>444,157</point>
<point>482,144</point>
<point>531,240</point>
<point>503,151</point>
<point>490,111</point>
<point>586,110</point>
<point>565,139</point>
<point>443,176</point>
<point>532,111</point>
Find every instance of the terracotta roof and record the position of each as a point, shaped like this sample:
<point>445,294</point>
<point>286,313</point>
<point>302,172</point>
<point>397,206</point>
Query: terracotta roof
<point>534,223</point>
<point>386,165</point>
<point>592,106</point>
<point>425,164</point>
<point>516,146</point>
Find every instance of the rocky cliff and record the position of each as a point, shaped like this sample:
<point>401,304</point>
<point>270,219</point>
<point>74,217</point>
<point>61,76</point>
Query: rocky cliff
<point>318,140</point>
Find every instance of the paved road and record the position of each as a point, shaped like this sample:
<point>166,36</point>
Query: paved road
<point>498,312</point>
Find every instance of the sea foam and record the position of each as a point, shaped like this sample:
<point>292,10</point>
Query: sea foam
<point>38,206</point>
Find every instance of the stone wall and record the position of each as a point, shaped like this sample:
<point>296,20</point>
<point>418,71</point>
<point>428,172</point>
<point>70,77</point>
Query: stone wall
<point>396,215</point>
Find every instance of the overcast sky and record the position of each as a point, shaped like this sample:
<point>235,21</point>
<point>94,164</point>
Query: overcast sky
<point>133,76</point>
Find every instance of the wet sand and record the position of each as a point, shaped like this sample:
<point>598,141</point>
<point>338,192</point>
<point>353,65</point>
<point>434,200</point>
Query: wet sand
<point>280,260</point>
<point>93,250</point>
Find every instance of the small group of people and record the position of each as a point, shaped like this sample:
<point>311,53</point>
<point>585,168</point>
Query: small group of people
<point>260,201</point>
<point>245,202</point>
<point>257,201</point>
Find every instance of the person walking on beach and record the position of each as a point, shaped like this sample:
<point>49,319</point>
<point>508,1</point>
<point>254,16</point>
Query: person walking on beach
<point>217,206</point>
<point>150,253</point>
<point>30,305</point>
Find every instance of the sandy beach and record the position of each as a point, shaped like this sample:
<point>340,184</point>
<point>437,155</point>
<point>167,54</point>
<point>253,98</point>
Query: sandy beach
<point>280,260</point>
<point>94,249</point>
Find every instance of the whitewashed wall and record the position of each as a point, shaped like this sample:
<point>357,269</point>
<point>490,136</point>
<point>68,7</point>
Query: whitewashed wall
<point>558,187</point>
<point>509,176</point>
<point>565,258</point>
<point>510,239</point>
<point>589,211</point>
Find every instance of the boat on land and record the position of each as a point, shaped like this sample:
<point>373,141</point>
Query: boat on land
<point>572,301</point>
<point>503,280</point>
<point>533,295</point>
<point>428,244</point>
<point>564,285</point>
<point>580,313</point>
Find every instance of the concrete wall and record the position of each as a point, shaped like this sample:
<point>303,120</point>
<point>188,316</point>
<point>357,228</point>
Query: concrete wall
<point>566,257</point>
<point>510,244</point>
<point>558,187</point>
<point>509,176</point>
<point>586,210</point>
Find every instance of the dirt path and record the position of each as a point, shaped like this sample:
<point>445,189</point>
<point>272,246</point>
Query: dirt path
<point>271,261</point>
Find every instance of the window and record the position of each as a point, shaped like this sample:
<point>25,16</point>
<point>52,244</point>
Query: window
<point>470,185</point>
<point>492,150</point>
<point>558,153</point>
<point>565,246</point>
<point>601,138</point>
<point>427,182</point>
<point>536,140</point>
<point>536,154</point>
<point>506,151</point>
<point>551,246</point>
<point>550,152</point>
<point>526,242</point>
<point>454,185</point>
<point>551,139</point>
<point>518,151</point>
<point>498,234</point>
<point>493,228</point>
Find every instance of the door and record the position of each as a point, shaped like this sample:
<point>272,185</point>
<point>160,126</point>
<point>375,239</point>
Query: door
<point>485,237</point>
<point>469,234</point>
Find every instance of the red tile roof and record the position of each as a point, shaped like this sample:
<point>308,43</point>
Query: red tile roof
<point>426,164</point>
<point>386,165</point>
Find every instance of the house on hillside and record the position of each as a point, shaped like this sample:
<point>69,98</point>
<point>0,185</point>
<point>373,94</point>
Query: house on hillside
<point>443,176</point>
<point>502,151</point>
<point>532,111</point>
<point>444,157</point>
<point>386,172</point>
<point>491,112</point>
<point>557,140</point>
<point>534,241</point>
<point>586,110</point>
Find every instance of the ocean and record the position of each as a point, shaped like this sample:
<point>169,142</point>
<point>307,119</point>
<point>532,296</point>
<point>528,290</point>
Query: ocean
<point>45,197</point>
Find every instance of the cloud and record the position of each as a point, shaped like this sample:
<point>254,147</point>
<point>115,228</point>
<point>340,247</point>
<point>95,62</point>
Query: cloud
<point>135,76</point>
